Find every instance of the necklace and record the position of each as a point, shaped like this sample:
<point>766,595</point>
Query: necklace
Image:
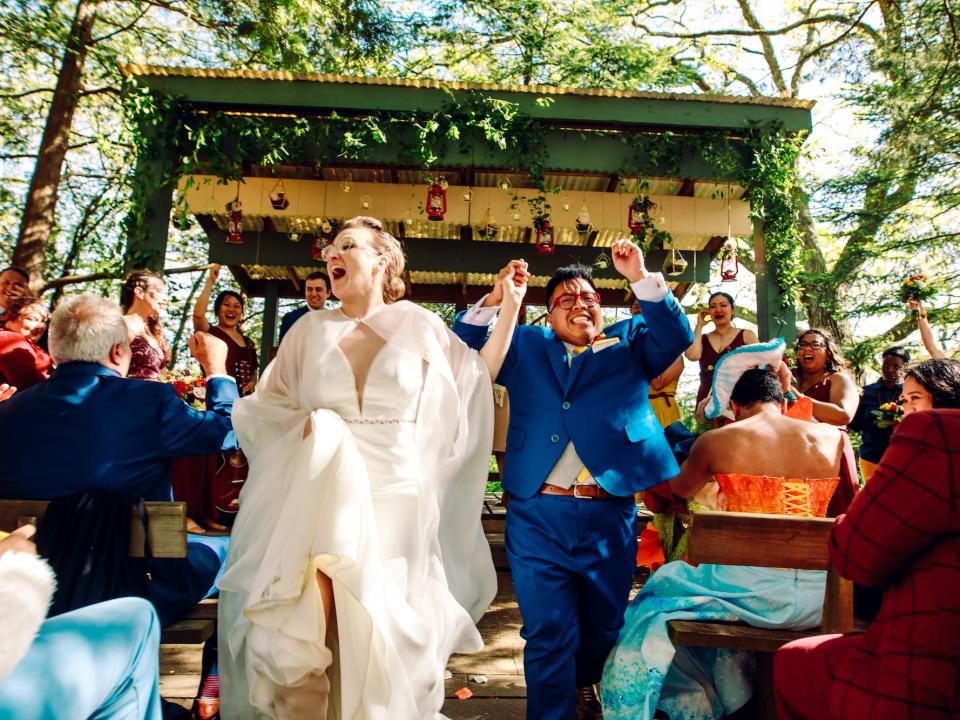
<point>722,342</point>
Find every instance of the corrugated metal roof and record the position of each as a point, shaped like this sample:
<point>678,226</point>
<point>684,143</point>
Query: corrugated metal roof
<point>134,70</point>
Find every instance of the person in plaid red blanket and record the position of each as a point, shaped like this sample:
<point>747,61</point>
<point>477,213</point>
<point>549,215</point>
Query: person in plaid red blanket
<point>902,532</point>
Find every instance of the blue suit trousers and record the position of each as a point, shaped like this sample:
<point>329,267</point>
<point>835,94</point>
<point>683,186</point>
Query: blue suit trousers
<point>572,562</point>
<point>178,585</point>
<point>98,662</point>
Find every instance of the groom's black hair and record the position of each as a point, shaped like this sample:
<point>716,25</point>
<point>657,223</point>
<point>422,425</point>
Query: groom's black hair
<point>569,272</point>
<point>757,385</point>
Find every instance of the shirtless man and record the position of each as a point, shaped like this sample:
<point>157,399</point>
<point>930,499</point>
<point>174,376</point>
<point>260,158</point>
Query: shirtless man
<point>763,441</point>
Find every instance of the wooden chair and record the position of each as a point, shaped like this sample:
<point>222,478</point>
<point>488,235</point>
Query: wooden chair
<point>168,539</point>
<point>778,541</point>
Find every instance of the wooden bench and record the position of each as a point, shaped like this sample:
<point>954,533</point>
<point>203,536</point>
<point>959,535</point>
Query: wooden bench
<point>777,541</point>
<point>167,525</point>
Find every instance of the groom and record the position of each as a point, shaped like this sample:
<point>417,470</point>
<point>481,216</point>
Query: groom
<point>582,440</point>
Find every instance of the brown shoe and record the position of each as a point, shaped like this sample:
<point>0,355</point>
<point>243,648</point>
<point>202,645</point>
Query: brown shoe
<point>588,704</point>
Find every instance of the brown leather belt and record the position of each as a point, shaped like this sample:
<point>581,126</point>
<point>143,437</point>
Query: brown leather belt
<point>583,492</point>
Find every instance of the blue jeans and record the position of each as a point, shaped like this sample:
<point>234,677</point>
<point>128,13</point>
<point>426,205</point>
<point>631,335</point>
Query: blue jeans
<point>97,662</point>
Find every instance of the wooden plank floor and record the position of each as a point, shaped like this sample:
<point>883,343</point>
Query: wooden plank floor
<point>502,697</point>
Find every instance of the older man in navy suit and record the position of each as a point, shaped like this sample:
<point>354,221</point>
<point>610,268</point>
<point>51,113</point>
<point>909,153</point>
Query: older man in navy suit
<point>88,428</point>
<point>582,440</point>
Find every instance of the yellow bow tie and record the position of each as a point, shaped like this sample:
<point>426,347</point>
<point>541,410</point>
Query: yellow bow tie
<point>581,348</point>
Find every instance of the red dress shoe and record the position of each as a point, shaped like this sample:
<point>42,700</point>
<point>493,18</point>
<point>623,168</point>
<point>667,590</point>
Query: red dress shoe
<point>206,709</point>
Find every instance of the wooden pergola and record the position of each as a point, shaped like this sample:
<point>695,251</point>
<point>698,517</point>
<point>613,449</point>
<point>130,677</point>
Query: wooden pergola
<point>487,221</point>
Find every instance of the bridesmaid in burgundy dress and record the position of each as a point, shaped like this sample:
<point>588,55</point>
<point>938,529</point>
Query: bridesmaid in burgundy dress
<point>820,376</point>
<point>143,298</point>
<point>709,347</point>
<point>242,364</point>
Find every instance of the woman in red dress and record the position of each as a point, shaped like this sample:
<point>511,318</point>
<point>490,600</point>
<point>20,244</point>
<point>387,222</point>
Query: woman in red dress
<point>22,362</point>
<point>709,347</point>
<point>820,376</point>
<point>143,298</point>
<point>230,467</point>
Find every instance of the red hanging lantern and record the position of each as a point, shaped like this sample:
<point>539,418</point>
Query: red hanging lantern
<point>325,235</point>
<point>436,201</point>
<point>235,222</point>
<point>729,265</point>
<point>637,215</point>
<point>544,237</point>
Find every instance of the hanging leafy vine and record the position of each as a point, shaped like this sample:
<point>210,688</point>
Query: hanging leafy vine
<point>171,140</point>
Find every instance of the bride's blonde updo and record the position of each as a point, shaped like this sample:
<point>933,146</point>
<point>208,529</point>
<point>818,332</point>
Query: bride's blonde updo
<point>389,247</point>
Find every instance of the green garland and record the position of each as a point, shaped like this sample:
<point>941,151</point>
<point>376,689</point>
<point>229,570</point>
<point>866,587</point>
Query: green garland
<point>763,160</point>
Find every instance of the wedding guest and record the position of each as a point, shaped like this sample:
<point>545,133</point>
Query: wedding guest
<point>358,562</point>
<point>931,384</point>
<point>22,361</point>
<point>101,661</point>
<point>316,291</point>
<point>143,298</point>
<point>228,308</point>
<point>663,388</point>
<point>901,534</point>
<point>874,439</point>
<point>645,672</point>
<point>225,472</point>
<point>14,282</point>
<point>820,375</point>
<point>708,348</point>
<point>115,435</point>
<point>930,343</point>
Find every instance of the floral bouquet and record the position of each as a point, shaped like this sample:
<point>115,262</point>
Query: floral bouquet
<point>916,287</point>
<point>887,415</point>
<point>192,389</point>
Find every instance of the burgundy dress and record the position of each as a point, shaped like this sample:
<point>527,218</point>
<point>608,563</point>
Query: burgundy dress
<point>22,363</point>
<point>147,360</point>
<point>242,361</point>
<point>708,360</point>
<point>849,482</point>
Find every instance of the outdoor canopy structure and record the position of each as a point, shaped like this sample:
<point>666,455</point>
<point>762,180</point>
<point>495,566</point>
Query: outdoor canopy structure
<point>594,154</point>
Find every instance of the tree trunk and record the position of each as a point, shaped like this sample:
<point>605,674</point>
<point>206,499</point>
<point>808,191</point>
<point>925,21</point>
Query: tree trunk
<point>39,211</point>
<point>819,296</point>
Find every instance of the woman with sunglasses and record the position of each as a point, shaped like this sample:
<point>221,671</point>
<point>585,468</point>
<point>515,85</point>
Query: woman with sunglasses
<point>22,362</point>
<point>820,376</point>
<point>357,562</point>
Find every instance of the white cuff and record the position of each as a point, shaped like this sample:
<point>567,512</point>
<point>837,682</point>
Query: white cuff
<point>652,288</point>
<point>479,315</point>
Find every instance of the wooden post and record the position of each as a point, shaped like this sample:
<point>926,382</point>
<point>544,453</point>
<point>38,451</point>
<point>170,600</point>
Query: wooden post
<point>149,226</point>
<point>271,294</point>
<point>773,319</point>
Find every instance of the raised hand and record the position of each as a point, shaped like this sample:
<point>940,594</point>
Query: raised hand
<point>703,317</point>
<point>214,273</point>
<point>520,274</point>
<point>628,260</point>
<point>6,391</point>
<point>210,352</point>
<point>514,285</point>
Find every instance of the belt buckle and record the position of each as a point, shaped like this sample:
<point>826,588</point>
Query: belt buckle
<point>576,491</point>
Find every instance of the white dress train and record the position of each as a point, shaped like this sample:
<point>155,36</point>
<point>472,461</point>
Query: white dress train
<point>384,497</point>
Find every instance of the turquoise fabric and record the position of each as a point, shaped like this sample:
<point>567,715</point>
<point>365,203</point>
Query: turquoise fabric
<point>98,662</point>
<point>645,672</point>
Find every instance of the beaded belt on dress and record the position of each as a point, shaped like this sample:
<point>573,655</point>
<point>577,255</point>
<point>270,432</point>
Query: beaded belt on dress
<point>377,421</point>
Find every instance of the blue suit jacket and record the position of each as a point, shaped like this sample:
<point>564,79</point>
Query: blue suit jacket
<point>88,428</point>
<point>599,402</point>
<point>290,318</point>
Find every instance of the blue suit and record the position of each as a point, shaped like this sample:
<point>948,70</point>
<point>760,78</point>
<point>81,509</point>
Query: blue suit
<point>290,318</point>
<point>572,560</point>
<point>89,429</point>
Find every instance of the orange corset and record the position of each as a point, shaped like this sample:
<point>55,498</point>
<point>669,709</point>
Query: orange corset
<point>777,496</point>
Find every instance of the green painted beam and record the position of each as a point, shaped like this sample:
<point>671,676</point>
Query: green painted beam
<point>773,319</point>
<point>595,111</point>
<point>432,255</point>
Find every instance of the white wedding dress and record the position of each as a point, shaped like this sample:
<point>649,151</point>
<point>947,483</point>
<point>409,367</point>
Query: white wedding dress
<point>384,497</point>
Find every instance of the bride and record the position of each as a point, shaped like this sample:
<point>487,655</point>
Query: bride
<point>357,561</point>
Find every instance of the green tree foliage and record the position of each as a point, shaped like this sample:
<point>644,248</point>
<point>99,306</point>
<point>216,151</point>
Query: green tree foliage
<point>580,43</point>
